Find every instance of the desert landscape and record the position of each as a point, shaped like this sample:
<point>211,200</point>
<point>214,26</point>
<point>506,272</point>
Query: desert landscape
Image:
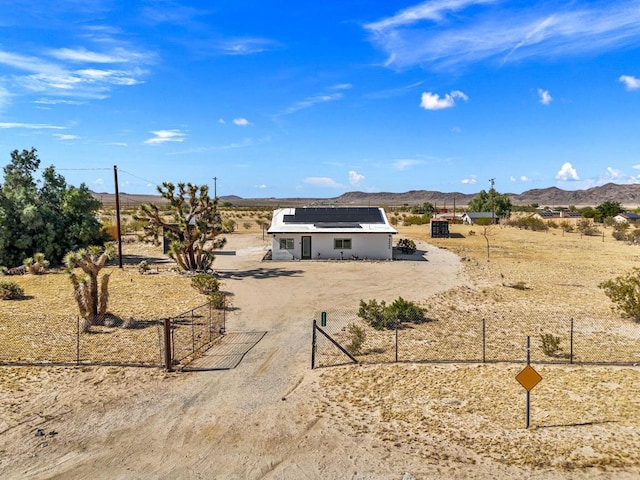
<point>272,417</point>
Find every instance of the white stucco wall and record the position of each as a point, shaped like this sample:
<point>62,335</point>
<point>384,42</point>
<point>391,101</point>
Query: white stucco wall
<point>363,245</point>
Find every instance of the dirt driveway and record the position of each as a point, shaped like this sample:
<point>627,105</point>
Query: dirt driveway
<point>259,420</point>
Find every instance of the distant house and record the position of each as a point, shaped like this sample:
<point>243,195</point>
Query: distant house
<point>627,217</point>
<point>473,218</point>
<point>331,233</point>
<point>558,215</point>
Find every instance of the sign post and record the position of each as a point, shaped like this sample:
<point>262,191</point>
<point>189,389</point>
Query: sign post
<point>528,378</point>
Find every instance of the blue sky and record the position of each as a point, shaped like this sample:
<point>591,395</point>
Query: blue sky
<point>314,99</point>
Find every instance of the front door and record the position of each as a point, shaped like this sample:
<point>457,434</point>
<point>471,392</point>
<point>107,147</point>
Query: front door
<point>306,248</point>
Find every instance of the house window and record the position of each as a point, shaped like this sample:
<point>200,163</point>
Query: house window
<point>286,244</point>
<point>342,243</point>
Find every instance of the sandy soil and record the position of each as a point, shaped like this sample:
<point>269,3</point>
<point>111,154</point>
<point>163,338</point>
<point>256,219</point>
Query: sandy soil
<point>274,418</point>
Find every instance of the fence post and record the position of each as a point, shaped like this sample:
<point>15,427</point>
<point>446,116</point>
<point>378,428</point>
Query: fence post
<point>484,341</point>
<point>193,333</point>
<point>571,343</point>
<point>313,346</point>
<point>168,361</point>
<point>397,340</point>
<point>77,340</point>
<point>210,322</point>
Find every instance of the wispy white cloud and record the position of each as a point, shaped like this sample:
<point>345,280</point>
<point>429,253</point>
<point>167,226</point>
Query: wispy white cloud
<point>75,73</point>
<point>31,126</point>
<point>631,82</point>
<point>241,122</point>
<point>164,136</point>
<point>58,101</point>
<point>567,173</point>
<point>522,178</point>
<point>453,33</point>
<point>404,163</point>
<point>245,45</point>
<point>323,182</point>
<point>341,86</point>
<point>65,137</point>
<point>429,10</point>
<point>261,186</point>
<point>83,55</point>
<point>433,101</point>
<point>313,101</point>
<point>355,178</point>
<point>470,180</point>
<point>545,97</point>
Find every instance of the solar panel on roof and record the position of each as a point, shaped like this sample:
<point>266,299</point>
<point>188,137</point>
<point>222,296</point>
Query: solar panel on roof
<point>326,215</point>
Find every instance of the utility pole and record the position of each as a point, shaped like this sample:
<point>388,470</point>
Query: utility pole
<point>215,187</point>
<point>115,178</point>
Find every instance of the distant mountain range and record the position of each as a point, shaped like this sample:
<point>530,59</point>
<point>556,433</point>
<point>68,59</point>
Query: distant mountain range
<point>627,195</point>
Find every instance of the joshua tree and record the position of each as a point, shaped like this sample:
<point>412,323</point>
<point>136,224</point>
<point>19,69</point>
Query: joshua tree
<point>90,292</point>
<point>193,225</point>
<point>36,264</point>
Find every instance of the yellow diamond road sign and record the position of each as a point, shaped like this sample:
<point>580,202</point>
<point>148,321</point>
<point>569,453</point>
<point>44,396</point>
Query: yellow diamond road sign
<point>528,378</point>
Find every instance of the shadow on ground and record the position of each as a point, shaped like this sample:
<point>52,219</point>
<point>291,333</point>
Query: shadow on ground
<point>259,273</point>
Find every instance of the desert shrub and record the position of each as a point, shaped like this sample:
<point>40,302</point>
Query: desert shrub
<point>218,300</point>
<point>407,245</point>
<point>586,227</point>
<point>382,316</point>
<point>624,292</point>
<point>566,226</point>
<point>405,311</point>
<point>393,220</point>
<point>36,264</point>
<point>416,220</point>
<point>228,225</point>
<point>357,337</point>
<point>246,225</point>
<point>530,223</point>
<point>10,290</point>
<point>373,313</point>
<point>552,224</point>
<point>550,344</point>
<point>205,283</point>
<point>471,233</point>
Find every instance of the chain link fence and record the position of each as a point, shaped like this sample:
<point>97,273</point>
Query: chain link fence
<point>192,332</point>
<point>49,339</point>
<point>341,336</point>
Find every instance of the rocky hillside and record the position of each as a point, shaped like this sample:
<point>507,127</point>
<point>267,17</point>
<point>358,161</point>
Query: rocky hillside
<point>627,195</point>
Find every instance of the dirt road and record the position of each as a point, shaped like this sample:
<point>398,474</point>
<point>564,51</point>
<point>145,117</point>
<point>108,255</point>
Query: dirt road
<point>259,420</point>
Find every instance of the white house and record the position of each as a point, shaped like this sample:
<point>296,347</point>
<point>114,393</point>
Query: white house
<point>331,233</point>
<point>627,217</point>
<point>472,218</point>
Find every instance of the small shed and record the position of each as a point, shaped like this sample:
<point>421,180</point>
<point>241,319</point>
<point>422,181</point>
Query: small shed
<point>439,228</point>
<point>336,233</point>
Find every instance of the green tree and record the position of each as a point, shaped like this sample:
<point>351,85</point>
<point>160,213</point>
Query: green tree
<point>193,224</point>
<point>491,201</point>
<point>44,216</point>
<point>609,209</point>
